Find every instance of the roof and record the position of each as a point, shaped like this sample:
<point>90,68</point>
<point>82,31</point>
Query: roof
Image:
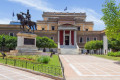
<point>59,14</point>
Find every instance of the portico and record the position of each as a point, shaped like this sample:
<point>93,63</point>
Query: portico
<point>67,35</point>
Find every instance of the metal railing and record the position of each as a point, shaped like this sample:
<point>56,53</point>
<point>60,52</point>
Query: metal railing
<point>62,69</point>
<point>52,70</point>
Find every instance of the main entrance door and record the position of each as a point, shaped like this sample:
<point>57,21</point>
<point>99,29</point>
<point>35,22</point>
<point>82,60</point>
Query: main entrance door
<point>66,40</point>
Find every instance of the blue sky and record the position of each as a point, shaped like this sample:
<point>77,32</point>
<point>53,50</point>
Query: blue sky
<point>36,7</point>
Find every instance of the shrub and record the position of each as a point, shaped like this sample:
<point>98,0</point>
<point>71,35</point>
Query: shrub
<point>115,54</point>
<point>43,59</point>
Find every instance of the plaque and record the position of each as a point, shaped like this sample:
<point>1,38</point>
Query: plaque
<point>28,41</point>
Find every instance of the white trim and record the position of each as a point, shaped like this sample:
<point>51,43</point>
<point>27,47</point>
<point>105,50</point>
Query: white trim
<point>64,37</point>
<point>58,36</point>
<point>70,38</point>
<point>83,27</point>
<point>67,28</point>
<point>48,27</point>
<point>11,32</point>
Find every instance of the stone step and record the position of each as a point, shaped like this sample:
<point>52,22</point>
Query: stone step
<point>69,51</point>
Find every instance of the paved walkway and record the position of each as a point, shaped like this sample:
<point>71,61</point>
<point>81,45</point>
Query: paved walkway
<point>85,67</point>
<point>8,73</point>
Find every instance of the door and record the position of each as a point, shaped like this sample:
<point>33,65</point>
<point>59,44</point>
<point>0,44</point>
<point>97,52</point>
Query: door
<point>66,40</point>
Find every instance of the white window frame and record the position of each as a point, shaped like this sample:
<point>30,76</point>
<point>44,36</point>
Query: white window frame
<point>94,37</point>
<point>51,28</point>
<point>52,39</point>
<point>79,27</point>
<point>80,38</point>
<point>87,30</point>
<point>86,39</point>
<point>11,32</point>
<point>42,28</point>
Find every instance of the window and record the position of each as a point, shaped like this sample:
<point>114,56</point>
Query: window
<point>81,39</point>
<point>11,34</point>
<point>43,28</point>
<point>52,38</point>
<point>53,27</point>
<point>78,28</point>
<point>95,38</point>
<point>88,39</point>
<point>86,30</point>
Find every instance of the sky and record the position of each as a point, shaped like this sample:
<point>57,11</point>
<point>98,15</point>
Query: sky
<point>92,8</point>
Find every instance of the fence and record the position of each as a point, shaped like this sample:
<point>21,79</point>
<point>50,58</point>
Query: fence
<point>52,70</point>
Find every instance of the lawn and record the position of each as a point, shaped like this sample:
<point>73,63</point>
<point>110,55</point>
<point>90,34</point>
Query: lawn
<point>108,57</point>
<point>53,67</point>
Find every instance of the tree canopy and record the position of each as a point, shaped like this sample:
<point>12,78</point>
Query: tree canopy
<point>10,41</point>
<point>94,45</point>
<point>111,19</point>
<point>114,44</point>
<point>45,42</point>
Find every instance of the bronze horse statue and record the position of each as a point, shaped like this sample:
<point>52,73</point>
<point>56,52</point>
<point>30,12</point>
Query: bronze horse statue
<point>26,22</point>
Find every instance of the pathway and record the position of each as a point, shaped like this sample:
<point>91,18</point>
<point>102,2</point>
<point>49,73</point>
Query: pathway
<point>86,67</point>
<point>8,73</point>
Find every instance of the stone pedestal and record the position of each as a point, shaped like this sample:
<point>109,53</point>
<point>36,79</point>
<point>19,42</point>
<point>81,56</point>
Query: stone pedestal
<point>26,42</point>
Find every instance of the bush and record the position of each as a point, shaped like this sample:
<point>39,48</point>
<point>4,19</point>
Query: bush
<point>94,45</point>
<point>43,59</point>
<point>115,54</point>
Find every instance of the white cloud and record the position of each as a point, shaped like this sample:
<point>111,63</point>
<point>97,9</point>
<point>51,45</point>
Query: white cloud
<point>37,4</point>
<point>5,21</point>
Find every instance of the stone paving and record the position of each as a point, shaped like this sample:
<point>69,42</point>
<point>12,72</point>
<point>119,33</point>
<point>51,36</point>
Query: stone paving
<point>86,67</point>
<point>8,73</point>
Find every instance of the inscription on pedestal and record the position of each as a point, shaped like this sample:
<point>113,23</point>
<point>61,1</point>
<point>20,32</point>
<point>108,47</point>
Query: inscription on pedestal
<point>28,41</point>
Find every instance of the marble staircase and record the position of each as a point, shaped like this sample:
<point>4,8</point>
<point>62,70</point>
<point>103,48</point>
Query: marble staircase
<point>69,49</point>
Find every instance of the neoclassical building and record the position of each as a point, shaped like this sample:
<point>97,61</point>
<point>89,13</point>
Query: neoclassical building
<point>68,30</point>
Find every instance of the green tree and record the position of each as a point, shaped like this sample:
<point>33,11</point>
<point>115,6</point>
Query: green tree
<point>94,45</point>
<point>111,19</point>
<point>114,44</point>
<point>45,42</point>
<point>10,41</point>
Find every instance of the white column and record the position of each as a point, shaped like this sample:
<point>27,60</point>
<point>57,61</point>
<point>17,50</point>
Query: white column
<point>58,36</point>
<point>70,38</point>
<point>83,27</point>
<point>74,37</point>
<point>64,37</point>
<point>48,27</point>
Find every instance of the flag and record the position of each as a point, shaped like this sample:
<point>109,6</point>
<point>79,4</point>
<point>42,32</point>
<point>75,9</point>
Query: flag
<point>13,14</point>
<point>65,9</point>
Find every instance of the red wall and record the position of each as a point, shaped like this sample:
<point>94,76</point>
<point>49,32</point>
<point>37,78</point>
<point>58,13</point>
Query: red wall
<point>61,37</point>
<point>72,37</point>
<point>67,32</point>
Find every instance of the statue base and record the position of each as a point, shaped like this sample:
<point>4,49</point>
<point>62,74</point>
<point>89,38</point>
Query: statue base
<point>26,42</point>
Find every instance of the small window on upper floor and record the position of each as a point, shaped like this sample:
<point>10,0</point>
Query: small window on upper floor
<point>95,38</point>
<point>52,38</point>
<point>81,39</point>
<point>88,39</point>
<point>53,27</point>
<point>78,28</point>
<point>43,28</point>
<point>86,30</point>
<point>11,34</point>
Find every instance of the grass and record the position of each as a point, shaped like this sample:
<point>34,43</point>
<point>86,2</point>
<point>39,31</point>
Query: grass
<point>108,57</point>
<point>53,67</point>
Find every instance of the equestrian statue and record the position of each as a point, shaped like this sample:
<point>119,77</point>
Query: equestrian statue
<point>25,20</point>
